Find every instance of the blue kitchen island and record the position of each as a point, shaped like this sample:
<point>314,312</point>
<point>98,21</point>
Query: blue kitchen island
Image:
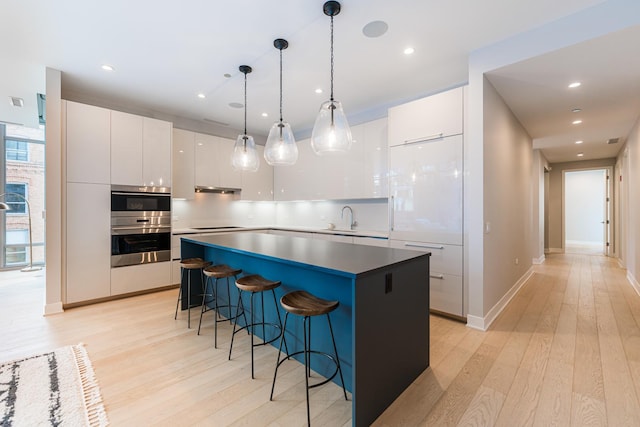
<point>381,325</point>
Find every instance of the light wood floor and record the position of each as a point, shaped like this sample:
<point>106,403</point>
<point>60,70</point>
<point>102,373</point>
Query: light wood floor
<point>566,352</point>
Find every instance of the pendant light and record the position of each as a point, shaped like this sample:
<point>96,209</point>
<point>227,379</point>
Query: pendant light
<point>331,133</point>
<point>281,148</point>
<point>245,155</point>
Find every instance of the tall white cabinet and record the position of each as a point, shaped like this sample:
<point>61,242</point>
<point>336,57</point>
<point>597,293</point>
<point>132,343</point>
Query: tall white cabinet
<point>104,147</point>
<point>426,190</point>
<point>88,202</point>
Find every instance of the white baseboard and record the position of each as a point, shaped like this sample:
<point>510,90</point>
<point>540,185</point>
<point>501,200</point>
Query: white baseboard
<point>483,323</point>
<point>555,250</point>
<point>539,260</point>
<point>53,308</point>
<point>633,282</point>
<point>621,264</point>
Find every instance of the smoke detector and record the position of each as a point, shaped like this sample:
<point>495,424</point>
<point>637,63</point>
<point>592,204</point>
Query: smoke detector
<point>613,140</point>
<point>16,102</point>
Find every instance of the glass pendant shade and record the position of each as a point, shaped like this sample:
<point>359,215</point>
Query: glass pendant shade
<point>245,155</point>
<point>331,133</point>
<point>281,148</point>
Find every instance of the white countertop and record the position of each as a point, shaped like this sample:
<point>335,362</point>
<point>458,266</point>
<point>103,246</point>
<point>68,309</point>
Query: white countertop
<point>223,229</point>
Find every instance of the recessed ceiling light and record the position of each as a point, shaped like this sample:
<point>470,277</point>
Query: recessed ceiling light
<point>375,29</point>
<point>576,122</point>
<point>580,154</point>
<point>201,96</point>
<point>16,101</point>
<point>574,85</point>
<point>107,67</point>
<point>579,142</point>
<point>318,90</point>
<point>576,110</point>
<point>409,51</point>
<point>265,115</point>
<point>236,105</point>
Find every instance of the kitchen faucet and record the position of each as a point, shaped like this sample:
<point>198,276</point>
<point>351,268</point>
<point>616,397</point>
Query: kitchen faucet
<point>352,223</point>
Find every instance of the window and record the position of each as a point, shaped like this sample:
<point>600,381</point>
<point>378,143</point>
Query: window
<point>17,204</point>
<point>17,150</point>
<point>16,247</point>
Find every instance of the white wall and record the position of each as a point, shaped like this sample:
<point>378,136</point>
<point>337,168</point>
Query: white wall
<point>630,158</point>
<point>584,206</point>
<point>508,161</point>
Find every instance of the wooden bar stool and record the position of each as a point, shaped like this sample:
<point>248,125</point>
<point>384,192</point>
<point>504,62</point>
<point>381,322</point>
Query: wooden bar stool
<point>302,303</point>
<point>255,283</point>
<point>188,265</point>
<point>215,273</point>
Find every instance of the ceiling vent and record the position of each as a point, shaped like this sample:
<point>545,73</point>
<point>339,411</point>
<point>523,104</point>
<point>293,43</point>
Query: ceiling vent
<point>16,102</point>
<point>613,140</point>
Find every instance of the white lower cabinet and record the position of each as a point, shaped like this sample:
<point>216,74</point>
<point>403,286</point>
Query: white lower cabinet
<point>88,232</point>
<point>445,269</point>
<point>141,277</point>
<point>175,272</point>
<point>371,241</point>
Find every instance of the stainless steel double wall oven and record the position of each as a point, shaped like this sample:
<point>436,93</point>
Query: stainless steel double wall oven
<point>140,225</point>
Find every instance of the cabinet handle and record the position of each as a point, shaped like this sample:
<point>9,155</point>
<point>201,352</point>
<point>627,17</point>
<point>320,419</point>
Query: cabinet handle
<point>392,216</point>
<point>437,276</point>
<point>424,138</point>
<point>416,245</point>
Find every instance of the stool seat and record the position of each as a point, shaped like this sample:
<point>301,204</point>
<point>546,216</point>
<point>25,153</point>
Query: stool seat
<point>194,263</point>
<point>256,283</point>
<point>303,303</point>
<point>221,271</point>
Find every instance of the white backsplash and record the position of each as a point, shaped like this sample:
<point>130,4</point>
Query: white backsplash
<point>213,210</point>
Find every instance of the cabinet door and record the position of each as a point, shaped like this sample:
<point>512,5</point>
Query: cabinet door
<point>426,191</point>
<point>206,158</point>
<point>141,277</point>
<point>156,152</point>
<point>375,171</point>
<point>126,149</point>
<point>88,241</point>
<point>228,176</point>
<point>299,181</point>
<point>88,143</point>
<point>432,117</point>
<point>258,185</point>
<point>182,163</point>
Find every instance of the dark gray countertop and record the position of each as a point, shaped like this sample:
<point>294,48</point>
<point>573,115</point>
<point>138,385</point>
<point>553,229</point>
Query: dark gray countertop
<point>338,257</point>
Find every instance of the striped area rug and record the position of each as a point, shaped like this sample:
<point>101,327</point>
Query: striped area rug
<point>56,389</point>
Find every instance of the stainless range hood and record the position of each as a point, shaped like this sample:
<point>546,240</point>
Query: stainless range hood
<point>217,190</point>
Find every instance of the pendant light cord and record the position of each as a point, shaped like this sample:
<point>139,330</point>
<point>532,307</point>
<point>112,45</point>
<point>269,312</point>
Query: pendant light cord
<point>331,58</point>
<point>280,87</point>
<point>245,106</point>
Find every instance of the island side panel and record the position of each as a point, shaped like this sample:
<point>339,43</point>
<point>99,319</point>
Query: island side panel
<point>391,330</point>
<point>298,277</point>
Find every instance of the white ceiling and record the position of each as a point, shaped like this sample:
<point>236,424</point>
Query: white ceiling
<point>165,53</point>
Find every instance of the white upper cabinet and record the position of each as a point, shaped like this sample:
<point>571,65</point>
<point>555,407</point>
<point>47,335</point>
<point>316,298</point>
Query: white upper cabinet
<point>428,118</point>
<point>258,186</point>
<point>140,150</point>
<point>183,162</point>
<point>361,173</point>
<point>156,152</point>
<point>126,149</point>
<point>375,155</point>
<point>206,161</point>
<point>229,177</point>
<point>88,143</point>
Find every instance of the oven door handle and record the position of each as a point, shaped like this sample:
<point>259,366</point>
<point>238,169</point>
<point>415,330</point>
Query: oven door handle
<point>140,230</point>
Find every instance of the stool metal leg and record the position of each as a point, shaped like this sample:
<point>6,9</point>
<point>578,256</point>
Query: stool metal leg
<point>204,299</point>
<point>282,339</point>
<point>335,349</point>
<point>252,330</point>
<point>179,293</point>
<point>307,357</point>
